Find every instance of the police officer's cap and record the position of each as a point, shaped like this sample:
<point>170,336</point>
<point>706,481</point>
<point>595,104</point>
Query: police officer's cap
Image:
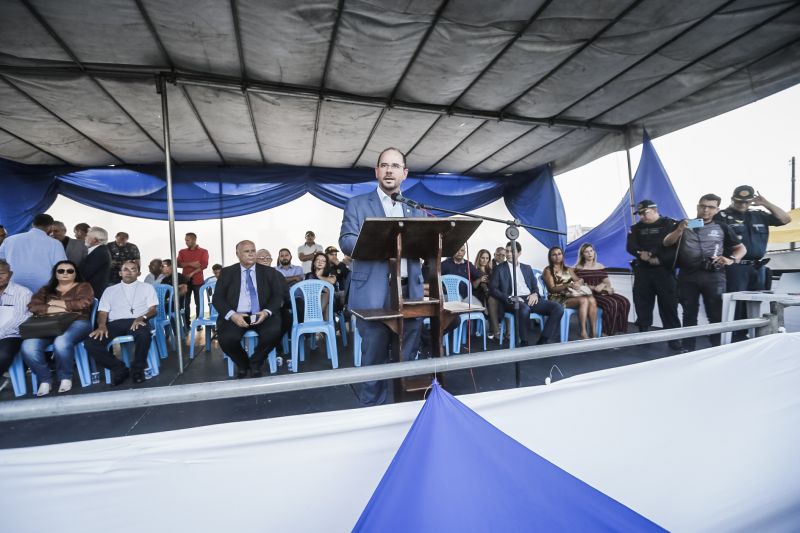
<point>645,204</point>
<point>743,193</point>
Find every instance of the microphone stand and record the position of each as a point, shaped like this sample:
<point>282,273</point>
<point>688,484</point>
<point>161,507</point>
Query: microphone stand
<point>512,234</point>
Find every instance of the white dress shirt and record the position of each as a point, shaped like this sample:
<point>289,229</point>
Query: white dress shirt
<point>127,300</point>
<point>13,309</point>
<point>393,209</point>
<point>522,287</point>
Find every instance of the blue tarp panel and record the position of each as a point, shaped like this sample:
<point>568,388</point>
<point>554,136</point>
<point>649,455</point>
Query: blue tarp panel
<point>457,472</point>
<point>650,182</point>
<point>213,192</point>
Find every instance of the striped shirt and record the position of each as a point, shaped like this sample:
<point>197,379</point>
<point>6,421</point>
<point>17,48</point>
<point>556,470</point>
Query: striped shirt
<point>14,302</point>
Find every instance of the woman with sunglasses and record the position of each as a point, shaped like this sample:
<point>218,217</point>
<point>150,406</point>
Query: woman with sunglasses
<point>65,292</point>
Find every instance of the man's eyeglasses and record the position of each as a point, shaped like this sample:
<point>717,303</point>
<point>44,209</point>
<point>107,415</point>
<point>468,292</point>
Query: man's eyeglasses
<point>704,206</point>
<point>65,271</point>
<point>393,166</point>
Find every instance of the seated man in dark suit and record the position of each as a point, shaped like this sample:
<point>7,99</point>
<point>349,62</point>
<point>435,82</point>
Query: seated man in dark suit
<point>248,296</point>
<point>96,267</point>
<point>501,287</point>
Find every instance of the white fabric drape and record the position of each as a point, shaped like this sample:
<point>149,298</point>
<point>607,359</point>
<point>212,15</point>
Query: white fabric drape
<point>705,441</point>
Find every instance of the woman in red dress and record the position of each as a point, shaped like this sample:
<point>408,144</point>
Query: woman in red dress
<point>615,306</point>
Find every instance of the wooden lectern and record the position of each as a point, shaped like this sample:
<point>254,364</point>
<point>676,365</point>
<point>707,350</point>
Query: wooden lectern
<point>392,239</point>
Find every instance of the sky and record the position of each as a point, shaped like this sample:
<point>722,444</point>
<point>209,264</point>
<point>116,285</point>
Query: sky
<point>751,145</point>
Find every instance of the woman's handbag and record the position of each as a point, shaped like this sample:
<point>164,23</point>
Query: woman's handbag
<point>580,290</point>
<point>47,326</point>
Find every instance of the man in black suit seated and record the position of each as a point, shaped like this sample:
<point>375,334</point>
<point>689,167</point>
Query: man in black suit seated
<point>96,267</point>
<point>248,296</point>
<point>501,286</point>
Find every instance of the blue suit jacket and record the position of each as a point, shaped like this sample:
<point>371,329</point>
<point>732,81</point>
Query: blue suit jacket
<point>501,284</point>
<point>369,280</point>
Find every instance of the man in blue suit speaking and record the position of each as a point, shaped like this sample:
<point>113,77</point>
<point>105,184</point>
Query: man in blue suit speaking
<point>501,286</point>
<point>369,280</point>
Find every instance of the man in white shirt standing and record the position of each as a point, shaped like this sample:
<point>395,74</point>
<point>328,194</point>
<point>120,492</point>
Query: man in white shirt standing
<point>32,254</point>
<point>306,252</point>
<point>124,309</point>
<point>14,300</point>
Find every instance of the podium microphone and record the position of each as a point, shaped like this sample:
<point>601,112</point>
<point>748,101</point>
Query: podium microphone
<point>397,197</point>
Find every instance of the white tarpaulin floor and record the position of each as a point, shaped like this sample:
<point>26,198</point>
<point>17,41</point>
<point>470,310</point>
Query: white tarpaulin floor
<point>705,441</point>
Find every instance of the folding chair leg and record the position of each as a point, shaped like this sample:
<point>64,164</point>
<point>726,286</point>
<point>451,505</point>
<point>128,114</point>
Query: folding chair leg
<point>17,373</point>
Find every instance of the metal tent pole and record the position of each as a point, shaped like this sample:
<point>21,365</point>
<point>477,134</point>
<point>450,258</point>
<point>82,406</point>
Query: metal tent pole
<point>630,173</point>
<point>792,245</point>
<point>176,300</point>
<point>221,227</point>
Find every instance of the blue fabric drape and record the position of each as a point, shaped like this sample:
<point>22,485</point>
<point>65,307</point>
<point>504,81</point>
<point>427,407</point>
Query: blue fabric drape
<point>202,193</point>
<point>650,182</point>
<point>456,472</point>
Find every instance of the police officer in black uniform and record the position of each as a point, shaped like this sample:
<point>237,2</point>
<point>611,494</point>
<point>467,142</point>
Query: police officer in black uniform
<point>703,254</point>
<point>653,269</point>
<point>752,227</point>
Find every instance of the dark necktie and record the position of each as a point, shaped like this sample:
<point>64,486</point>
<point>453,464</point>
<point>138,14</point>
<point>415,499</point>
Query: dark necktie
<point>251,291</point>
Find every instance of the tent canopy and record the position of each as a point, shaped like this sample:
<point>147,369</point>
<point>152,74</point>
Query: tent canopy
<point>203,192</point>
<point>609,238</point>
<point>464,86</point>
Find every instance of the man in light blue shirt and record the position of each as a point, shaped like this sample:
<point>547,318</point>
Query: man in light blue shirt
<point>33,254</point>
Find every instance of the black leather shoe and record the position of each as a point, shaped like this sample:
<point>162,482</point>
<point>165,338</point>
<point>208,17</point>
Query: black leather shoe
<point>138,377</point>
<point>256,371</point>
<point>542,340</point>
<point>524,343</point>
<point>241,374</point>
<point>118,378</point>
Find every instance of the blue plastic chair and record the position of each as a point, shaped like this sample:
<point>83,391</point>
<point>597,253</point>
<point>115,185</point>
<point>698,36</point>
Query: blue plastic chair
<point>17,374</point>
<point>568,314</point>
<point>342,327</point>
<point>452,284</point>
<point>126,345</point>
<point>512,330</point>
<point>249,344</point>
<point>208,323</point>
<point>162,322</point>
<point>313,320</point>
<point>426,323</point>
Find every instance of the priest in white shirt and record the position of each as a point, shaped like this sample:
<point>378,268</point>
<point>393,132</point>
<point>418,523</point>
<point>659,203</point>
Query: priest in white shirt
<point>124,309</point>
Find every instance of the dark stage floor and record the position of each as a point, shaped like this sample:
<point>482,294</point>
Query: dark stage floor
<point>211,367</point>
